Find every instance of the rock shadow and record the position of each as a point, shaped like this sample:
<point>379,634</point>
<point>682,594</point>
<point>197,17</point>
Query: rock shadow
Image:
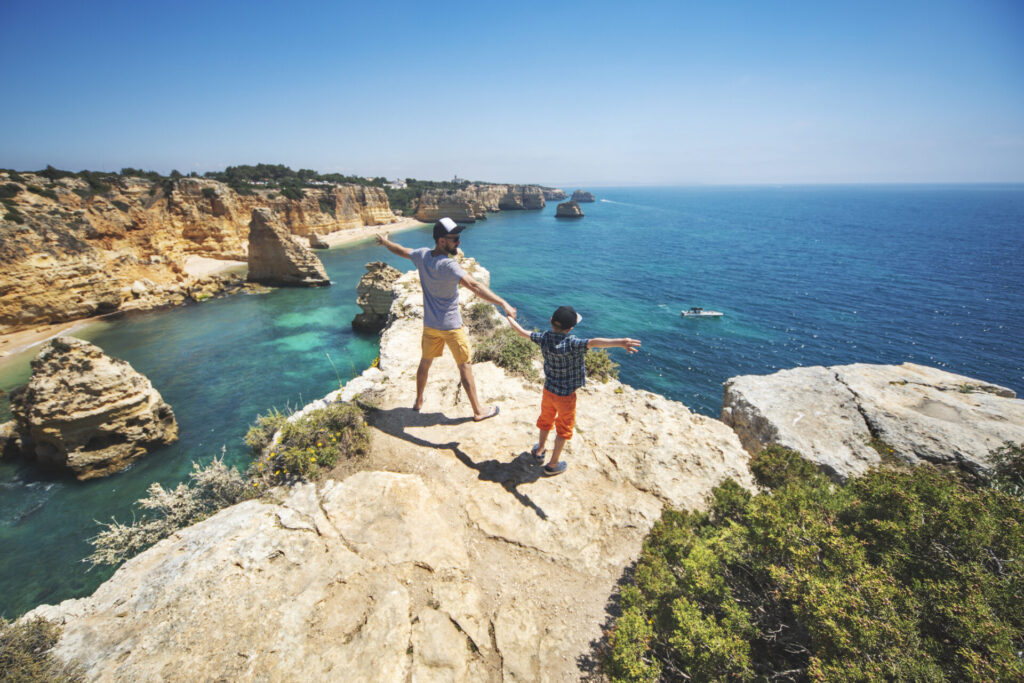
<point>509,475</point>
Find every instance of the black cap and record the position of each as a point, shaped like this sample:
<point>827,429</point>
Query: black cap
<point>446,227</point>
<point>566,317</point>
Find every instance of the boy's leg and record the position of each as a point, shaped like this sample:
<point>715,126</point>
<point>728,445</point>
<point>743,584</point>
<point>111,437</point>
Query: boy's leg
<point>564,423</point>
<point>546,419</point>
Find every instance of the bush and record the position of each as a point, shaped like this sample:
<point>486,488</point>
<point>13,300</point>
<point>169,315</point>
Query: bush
<point>898,575</point>
<point>600,366</point>
<point>212,488</point>
<point>25,653</point>
<point>481,320</point>
<point>121,206</point>
<point>292,192</point>
<point>42,192</point>
<point>9,190</point>
<point>209,192</point>
<point>262,431</point>
<point>12,214</point>
<point>509,351</point>
<point>1008,469</point>
<point>312,444</point>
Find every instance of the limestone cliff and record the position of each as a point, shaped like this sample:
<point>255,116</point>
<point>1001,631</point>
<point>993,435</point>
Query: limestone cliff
<point>582,196</point>
<point>76,252</point>
<point>569,210</point>
<point>475,201</point>
<point>277,258</point>
<point>552,194</point>
<point>844,418</point>
<point>449,558</point>
<point>376,292</point>
<point>89,413</point>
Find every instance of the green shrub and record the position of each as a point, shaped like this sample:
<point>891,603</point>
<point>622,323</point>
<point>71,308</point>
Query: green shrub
<point>312,444</point>
<point>25,653</point>
<point>326,205</point>
<point>898,575</point>
<point>9,190</point>
<point>42,192</point>
<point>121,206</point>
<point>509,351</point>
<point>481,320</point>
<point>209,192</point>
<point>600,366</point>
<point>1008,469</point>
<point>212,488</point>
<point>262,431</point>
<point>12,214</point>
<point>776,466</point>
<point>292,192</point>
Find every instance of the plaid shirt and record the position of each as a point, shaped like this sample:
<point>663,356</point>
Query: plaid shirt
<point>564,371</point>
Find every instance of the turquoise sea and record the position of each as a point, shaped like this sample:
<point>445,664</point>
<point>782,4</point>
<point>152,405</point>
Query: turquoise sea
<point>804,275</point>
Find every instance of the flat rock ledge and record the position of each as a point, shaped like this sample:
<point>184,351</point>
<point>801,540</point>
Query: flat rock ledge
<point>449,558</point>
<point>844,417</point>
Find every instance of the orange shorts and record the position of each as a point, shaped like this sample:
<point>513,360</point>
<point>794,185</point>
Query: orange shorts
<point>558,412</point>
<point>434,341</point>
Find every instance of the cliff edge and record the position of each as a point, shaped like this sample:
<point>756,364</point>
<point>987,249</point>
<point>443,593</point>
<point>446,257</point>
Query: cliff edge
<point>447,558</point>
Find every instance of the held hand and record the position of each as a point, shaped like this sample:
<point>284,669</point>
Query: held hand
<point>631,345</point>
<point>382,238</point>
<point>510,311</point>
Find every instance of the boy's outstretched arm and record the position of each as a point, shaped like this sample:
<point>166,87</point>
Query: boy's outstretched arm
<point>394,247</point>
<point>631,345</point>
<point>517,327</point>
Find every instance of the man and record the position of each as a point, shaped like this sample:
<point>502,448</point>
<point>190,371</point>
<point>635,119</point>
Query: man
<point>441,276</point>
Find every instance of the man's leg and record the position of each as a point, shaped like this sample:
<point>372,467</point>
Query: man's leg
<point>466,374</point>
<point>421,381</point>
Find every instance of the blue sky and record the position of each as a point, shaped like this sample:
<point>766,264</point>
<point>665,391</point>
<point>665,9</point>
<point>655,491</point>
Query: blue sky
<point>571,93</point>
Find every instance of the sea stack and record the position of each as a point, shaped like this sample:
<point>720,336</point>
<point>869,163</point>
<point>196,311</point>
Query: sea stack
<point>89,413</point>
<point>376,293</point>
<point>582,196</point>
<point>569,210</point>
<point>275,258</point>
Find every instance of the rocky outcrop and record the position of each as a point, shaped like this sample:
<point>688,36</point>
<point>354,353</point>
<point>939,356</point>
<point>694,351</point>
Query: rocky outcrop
<point>582,196</point>
<point>86,412</point>
<point>475,201</point>
<point>448,558</point>
<point>275,258</point>
<point>569,210</point>
<point>847,418</point>
<point>77,251</point>
<point>553,194</point>
<point>376,292</point>
<point>316,241</point>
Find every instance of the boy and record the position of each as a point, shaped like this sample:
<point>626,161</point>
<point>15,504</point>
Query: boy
<point>564,373</point>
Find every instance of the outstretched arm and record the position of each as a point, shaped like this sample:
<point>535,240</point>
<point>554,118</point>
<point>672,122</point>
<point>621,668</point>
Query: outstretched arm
<point>517,327</point>
<point>487,295</point>
<point>394,247</point>
<point>631,345</point>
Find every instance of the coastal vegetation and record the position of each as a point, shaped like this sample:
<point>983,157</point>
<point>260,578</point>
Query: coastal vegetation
<point>506,349</point>
<point>306,449</point>
<point>898,575</point>
<point>25,653</point>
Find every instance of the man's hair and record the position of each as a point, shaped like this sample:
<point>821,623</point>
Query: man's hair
<point>565,317</point>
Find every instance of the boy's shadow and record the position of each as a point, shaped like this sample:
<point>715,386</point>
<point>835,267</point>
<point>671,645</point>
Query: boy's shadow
<point>509,474</point>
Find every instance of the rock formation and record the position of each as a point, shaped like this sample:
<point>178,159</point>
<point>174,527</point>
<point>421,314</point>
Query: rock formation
<point>843,417</point>
<point>475,201</point>
<point>76,251</point>
<point>569,210</point>
<point>317,241</point>
<point>87,412</point>
<point>275,258</point>
<point>448,558</point>
<point>553,194</point>
<point>376,292</point>
<point>582,196</point>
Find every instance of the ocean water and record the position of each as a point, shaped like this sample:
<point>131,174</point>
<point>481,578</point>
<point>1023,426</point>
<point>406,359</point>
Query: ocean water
<point>804,275</point>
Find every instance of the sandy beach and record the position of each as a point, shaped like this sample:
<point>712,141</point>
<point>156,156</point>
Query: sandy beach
<point>14,343</point>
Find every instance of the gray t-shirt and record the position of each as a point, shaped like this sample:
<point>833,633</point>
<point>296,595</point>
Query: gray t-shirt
<point>440,276</point>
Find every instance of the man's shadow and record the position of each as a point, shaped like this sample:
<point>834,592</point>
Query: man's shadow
<point>522,470</point>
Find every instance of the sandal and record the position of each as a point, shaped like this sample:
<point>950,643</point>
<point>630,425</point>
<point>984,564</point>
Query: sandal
<point>538,456</point>
<point>554,471</point>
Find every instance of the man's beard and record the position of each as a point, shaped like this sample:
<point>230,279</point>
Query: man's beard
<point>451,250</point>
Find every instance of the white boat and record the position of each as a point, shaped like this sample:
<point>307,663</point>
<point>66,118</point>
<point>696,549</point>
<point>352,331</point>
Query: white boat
<point>698,312</point>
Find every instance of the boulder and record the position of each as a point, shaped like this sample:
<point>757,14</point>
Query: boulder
<point>277,259</point>
<point>317,242</point>
<point>582,196</point>
<point>569,210</point>
<point>89,413</point>
<point>847,418</point>
<point>375,296</point>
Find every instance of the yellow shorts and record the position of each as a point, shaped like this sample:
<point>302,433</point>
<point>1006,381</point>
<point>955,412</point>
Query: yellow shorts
<point>434,342</point>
